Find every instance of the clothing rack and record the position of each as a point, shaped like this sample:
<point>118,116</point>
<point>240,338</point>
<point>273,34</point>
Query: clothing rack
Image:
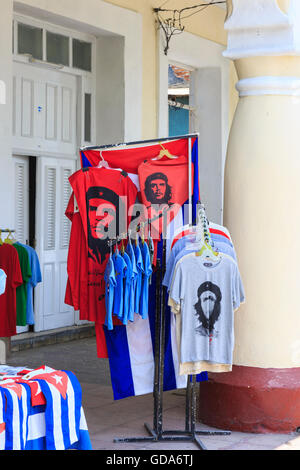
<point>140,142</point>
<point>157,432</point>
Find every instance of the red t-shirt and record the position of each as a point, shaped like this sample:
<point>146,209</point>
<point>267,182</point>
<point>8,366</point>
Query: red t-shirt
<point>103,197</point>
<point>9,262</point>
<point>76,292</point>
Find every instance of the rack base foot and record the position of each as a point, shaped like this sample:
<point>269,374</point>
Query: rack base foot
<point>174,436</point>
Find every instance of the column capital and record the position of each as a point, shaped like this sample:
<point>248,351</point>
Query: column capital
<point>262,28</point>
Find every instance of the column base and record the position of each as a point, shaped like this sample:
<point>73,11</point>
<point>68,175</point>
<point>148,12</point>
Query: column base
<point>252,399</point>
<point>4,349</point>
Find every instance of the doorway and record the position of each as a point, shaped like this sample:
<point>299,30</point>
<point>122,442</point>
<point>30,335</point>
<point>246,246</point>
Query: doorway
<point>179,100</point>
<point>42,193</point>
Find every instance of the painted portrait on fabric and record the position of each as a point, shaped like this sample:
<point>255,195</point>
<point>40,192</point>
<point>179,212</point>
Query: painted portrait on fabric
<point>164,191</point>
<point>157,189</point>
<point>208,309</point>
<point>105,214</point>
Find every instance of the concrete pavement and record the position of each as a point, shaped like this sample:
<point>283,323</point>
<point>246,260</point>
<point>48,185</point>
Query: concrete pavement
<point>108,419</point>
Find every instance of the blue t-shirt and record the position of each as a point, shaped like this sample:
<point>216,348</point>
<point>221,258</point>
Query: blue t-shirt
<point>36,277</point>
<point>222,247</point>
<point>128,280</point>
<point>140,270</point>
<point>191,238</point>
<point>144,297</point>
<point>184,248</point>
<point>2,281</point>
<point>130,252</point>
<point>110,284</point>
<point>120,268</point>
<point>221,238</point>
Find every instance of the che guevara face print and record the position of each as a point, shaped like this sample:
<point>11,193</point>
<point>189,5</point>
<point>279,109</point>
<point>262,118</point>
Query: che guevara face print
<point>104,208</point>
<point>157,189</point>
<point>208,308</point>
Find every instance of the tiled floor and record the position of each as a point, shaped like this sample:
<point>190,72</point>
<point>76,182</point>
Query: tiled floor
<point>108,419</point>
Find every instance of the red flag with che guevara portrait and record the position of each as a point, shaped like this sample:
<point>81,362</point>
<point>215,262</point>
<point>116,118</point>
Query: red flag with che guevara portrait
<point>168,179</point>
<point>164,189</point>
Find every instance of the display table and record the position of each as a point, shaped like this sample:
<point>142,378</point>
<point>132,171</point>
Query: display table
<point>41,409</point>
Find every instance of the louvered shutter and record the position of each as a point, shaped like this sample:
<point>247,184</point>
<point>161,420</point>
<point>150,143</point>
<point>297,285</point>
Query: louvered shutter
<point>21,201</point>
<point>50,209</point>
<point>65,222</point>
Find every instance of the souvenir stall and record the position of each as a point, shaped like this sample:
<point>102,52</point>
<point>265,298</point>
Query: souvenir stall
<point>138,229</point>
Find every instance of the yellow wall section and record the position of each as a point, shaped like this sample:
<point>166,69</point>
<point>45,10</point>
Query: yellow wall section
<point>283,5</point>
<point>208,24</point>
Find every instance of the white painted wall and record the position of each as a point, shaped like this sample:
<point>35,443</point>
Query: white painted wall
<point>206,98</point>
<point>110,103</point>
<point>6,161</point>
<point>103,19</point>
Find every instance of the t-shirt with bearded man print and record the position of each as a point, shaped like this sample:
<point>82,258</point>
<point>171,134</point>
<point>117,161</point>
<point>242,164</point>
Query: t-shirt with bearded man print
<point>207,294</point>
<point>105,199</point>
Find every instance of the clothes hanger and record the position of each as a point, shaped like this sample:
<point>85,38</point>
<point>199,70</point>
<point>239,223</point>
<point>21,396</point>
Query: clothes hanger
<point>129,237</point>
<point>203,237</point>
<point>110,248</point>
<point>117,251</point>
<point>103,163</point>
<point>208,253</point>
<point>142,233</point>
<point>9,239</point>
<point>165,153</point>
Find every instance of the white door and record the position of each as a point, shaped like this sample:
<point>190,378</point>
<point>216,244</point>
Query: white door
<point>52,234</point>
<point>45,125</point>
<point>44,111</point>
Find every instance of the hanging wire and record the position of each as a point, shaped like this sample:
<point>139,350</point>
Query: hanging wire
<point>173,25</point>
<point>197,11</point>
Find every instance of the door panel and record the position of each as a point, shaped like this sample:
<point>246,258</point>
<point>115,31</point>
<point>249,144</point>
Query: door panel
<point>53,229</point>
<point>45,123</point>
<point>44,110</point>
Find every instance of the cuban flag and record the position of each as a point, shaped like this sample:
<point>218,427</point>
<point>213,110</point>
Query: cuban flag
<point>2,420</point>
<point>131,348</point>
<point>41,410</point>
<point>59,424</point>
<point>15,405</point>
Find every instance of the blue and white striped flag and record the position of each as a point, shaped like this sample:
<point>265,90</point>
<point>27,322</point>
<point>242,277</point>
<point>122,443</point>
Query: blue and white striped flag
<point>14,409</point>
<point>42,410</point>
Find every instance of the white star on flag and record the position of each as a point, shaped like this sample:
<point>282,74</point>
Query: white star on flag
<point>58,379</point>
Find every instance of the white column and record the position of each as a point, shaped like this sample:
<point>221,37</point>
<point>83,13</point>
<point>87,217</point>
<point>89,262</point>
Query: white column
<point>262,179</point>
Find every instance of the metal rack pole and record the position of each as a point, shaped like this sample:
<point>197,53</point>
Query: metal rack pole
<point>140,142</point>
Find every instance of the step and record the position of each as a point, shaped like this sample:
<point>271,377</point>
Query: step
<point>60,335</point>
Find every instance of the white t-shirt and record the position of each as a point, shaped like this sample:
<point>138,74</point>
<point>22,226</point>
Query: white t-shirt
<point>207,297</point>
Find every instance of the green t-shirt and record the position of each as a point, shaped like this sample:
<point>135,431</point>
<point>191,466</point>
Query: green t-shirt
<point>21,291</point>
